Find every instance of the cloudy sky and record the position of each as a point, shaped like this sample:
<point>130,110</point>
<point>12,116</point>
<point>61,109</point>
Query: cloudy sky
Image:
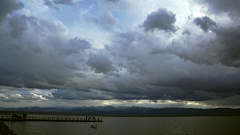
<point>151,53</point>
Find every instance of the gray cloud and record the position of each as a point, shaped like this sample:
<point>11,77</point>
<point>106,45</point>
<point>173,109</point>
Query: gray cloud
<point>100,63</point>
<point>220,46</point>
<point>33,62</point>
<point>50,4</point>
<point>11,101</point>
<point>205,23</point>
<point>229,102</point>
<point>160,20</point>
<point>230,7</point>
<point>74,46</point>
<point>18,24</point>
<point>193,65</point>
<point>53,4</point>
<point>228,38</point>
<point>64,2</point>
<point>186,32</point>
<point>81,95</point>
<point>108,21</point>
<point>154,77</point>
<point>7,7</point>
<point>81,44</point>
<point>141,75</point>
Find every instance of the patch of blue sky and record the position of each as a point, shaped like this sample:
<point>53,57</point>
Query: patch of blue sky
<point>19,91</point>
<point>70,15</point>
<point>94,11</point>
<point>67,15</point>
<point>120,16</point>
<point>89,8</point>
<point>124,18</point>
<point>30,90</point>
<point>45,90</point>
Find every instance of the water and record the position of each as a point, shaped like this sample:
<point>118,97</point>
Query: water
<point>133,125</point>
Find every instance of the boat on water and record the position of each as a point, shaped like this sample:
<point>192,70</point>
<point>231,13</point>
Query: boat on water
<point>93,126</point>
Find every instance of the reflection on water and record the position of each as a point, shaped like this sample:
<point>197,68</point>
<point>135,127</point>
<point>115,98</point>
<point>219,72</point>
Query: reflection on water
<point>133,125</point>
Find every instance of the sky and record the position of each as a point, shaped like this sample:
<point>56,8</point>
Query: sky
<point>146,53</point>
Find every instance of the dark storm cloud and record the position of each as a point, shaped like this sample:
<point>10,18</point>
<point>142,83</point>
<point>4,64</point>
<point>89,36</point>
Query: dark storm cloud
<point>135,92</point>
<point>232,101</point>
<point>217,84</point>
<point>220,46</point>
<point>195,66</point>
<point>100,63</point>
<point>33,62</point>
<point>181,89</point>
<point>11,101</point>
<point>230,7</point>
<point>156,76</point>
<point>7,7</point>
<point>229,39</point>
<point>160,20</point>
<point>128,92</point>
<point>80,95</point>
<point>174,94</point>
<point>205,23</point>
<point>18,25</point>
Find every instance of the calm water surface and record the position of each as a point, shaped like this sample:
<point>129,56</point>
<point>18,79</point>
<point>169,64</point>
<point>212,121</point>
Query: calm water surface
<point>133,126</point>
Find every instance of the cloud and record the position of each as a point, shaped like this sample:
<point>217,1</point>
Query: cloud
<point>81,44</point>
<point>7,7</point>
<point>231,7</point>
<point>3,97</point>
<point>114,1</point>
<point>83,94</point>
<point>91,19</point>
<point>229,102</point>
<point>11,101</point>
<point>33,62</point>
<point>108,21</point>
<point>160,20</point>
<point>53,4</point>
<point>163,75</point>
<point>64,2</point>
<point>227,38</point>
<point>24,94</point>
<point>58,60</point>
<point>205,23</point>
<point>218,46</point>
<point>100,63</point>
<point>18,24</point>
<point>50,4</point>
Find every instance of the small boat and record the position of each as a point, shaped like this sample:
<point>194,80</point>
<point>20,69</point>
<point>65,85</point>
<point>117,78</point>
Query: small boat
<point>93,126</point>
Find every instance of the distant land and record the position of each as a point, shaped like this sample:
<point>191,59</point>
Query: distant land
<point>123,111</point>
